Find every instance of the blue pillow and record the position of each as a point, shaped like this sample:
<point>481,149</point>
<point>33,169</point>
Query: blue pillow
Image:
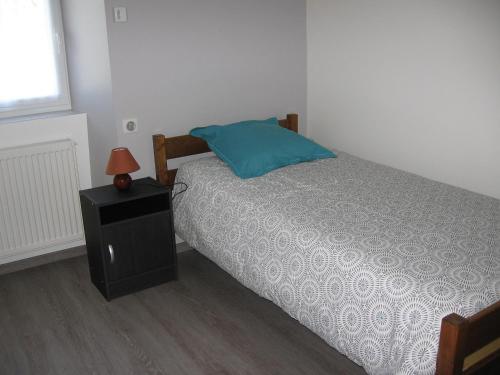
<point>254,148</point>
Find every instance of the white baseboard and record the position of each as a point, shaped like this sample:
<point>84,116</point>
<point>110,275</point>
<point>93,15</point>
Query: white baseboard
<point>43,256</point>
<point>182,247</point>
<point>42,259</point>
<point>26,253</point>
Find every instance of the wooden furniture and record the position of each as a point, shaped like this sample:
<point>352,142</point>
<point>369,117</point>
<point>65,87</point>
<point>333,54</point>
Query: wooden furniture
<point>130,237</point>
<point>166,148</point>
<point>466,346</point>
<point>470,345</point>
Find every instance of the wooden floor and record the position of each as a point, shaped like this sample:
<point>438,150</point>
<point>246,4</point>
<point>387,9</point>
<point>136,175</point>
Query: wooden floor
<point>53,321</point>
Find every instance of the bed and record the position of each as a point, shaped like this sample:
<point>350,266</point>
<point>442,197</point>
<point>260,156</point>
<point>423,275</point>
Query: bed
<point>398,272</point>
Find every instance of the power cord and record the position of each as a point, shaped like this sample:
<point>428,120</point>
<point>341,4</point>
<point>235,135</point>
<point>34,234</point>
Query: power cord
<point>179,192</point>
<point>170,186</point>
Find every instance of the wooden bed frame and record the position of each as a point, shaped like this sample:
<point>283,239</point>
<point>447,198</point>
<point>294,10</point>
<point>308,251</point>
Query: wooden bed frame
<point>166,148</point>
<point>466,345</point>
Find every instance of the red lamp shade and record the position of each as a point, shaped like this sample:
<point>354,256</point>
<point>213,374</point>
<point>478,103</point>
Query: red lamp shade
<point>121,163</point>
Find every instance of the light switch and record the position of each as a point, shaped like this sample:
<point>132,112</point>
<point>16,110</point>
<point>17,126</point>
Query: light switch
<point>120,14</point>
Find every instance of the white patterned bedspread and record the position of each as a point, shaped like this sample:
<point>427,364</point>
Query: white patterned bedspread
<point>368,257</point>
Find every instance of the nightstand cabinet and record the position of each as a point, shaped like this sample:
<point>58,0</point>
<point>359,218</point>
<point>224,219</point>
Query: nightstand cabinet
<point>130,237</point>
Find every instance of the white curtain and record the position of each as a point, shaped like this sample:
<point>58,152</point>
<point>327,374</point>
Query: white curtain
<point>28,53</point>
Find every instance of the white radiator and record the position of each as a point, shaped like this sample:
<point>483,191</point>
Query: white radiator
<point>39,201</point>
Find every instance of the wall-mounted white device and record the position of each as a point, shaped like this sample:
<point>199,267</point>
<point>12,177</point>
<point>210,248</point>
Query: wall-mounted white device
<point>120,14</point>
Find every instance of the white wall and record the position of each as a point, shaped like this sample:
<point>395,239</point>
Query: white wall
<point>90,77</point>
<point>181,63</point>
<point>411,84</point>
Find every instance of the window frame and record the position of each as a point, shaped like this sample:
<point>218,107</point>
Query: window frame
<point>43,105</point>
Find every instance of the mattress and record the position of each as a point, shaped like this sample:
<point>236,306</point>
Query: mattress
<point>368,257</point>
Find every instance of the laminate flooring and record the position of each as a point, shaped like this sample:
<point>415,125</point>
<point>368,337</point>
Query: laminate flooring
<point>54,321</point>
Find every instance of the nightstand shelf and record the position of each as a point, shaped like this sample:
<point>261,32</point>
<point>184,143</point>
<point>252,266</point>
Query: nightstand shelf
<point>130,237</point>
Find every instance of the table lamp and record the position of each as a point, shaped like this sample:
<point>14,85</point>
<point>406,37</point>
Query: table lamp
<point>121,163</point>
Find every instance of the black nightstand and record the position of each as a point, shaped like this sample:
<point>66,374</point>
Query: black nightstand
<point>130,237</point>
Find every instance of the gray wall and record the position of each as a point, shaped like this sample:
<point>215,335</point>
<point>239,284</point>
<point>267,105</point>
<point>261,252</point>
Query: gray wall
<point>90,78</point>
<point>180,63</point>
<point>412,84</point>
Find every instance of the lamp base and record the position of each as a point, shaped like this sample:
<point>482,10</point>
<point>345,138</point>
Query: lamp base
<point>122,181</point>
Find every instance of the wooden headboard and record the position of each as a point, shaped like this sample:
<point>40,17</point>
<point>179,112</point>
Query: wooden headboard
<point>166,148</point>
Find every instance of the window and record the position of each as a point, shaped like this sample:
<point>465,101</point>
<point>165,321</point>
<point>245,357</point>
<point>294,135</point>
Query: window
<point>33,74</point>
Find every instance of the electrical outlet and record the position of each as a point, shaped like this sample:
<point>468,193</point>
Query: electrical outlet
<point>130,125</point>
